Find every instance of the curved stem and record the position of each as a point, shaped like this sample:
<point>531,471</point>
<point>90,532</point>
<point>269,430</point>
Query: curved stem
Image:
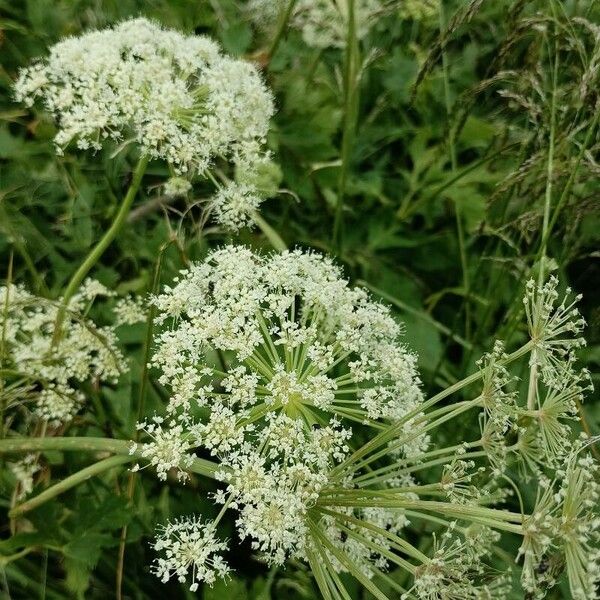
<point>70,482</point>
<point>97,251</point>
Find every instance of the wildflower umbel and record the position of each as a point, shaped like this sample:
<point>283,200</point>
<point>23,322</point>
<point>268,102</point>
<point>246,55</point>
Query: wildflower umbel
<point>554,329</point>
<point>283,356</point>
<point>177,96</point>
<point>565,523</point>
<point>190,547</point>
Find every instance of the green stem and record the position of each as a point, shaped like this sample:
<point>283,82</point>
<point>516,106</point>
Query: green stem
<point>3,352</point>
<point>70,482</point>
<point>497,519</point>
<point>200,466</point>
<point>281,27</point>
<point>550,174</point>
<point>533,369</point>
<point>343,558</point>
<point>392,431</point>
<point>350,110</point>
<point>406,547</point>
<point>415,432</point>
<point>97,251</point>
<point>453,162</point>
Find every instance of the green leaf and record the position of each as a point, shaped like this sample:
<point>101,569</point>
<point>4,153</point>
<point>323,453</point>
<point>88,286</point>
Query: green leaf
<point>424,339</point>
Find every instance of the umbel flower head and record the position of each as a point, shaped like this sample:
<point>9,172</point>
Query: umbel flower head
<point>177,96</point>
<point>281,357</point>
<point>190,545</point>
<point>54,372</point>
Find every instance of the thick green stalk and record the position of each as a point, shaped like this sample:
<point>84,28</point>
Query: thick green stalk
<point>97,251</point>
<point>200,466</point>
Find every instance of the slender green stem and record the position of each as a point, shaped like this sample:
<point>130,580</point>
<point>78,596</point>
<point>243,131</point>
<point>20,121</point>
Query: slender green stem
<point>351,88</point>
<point>406,547</point>
<point>70,482</point>
<point>453,162</point>
<point>549,175</point>
<point>346,561</point>
<point>97,251</point>
<point>316,567</point>
<point>385,436</point>
<point>415,432</point>
<point>67,444</point>
<point>281,27</point>
<point>139,411</point>
<point>5,560</point>
<point>498,519</point>
<point>533,369</point>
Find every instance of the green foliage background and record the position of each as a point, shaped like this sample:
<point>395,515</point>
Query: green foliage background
<point>442,186</point>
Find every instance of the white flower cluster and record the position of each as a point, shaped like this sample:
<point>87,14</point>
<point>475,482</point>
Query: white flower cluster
<point>177,96</point>
<point>556,387</point>
<point>282,356</point>
<point>177,186</point>
<point>323,23</point>
<point>129,310</point>
<point>234,203</point>
<point>84,352</point>
<point>190,545</point>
